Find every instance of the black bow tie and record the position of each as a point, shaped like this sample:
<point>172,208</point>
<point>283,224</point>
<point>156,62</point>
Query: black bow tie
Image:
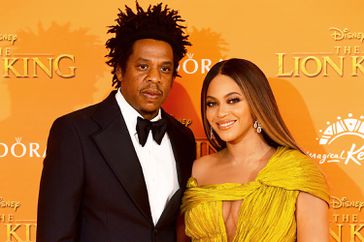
<point>158,128</point>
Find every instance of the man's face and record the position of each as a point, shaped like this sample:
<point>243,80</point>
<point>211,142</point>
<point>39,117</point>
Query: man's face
<point>148,76</point>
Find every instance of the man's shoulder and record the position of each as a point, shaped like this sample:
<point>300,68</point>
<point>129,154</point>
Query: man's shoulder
<point>178,126</point>
<point>82,112</point>
<point>85,114</point>
<point>78,115</point>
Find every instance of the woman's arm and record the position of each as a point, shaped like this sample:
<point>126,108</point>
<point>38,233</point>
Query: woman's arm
<point>312,219</point>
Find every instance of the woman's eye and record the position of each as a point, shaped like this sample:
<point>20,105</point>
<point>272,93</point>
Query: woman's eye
<point>210,104</point>
<point>233,100</point>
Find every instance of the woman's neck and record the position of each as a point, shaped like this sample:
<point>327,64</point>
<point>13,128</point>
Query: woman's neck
<point>249,149</point>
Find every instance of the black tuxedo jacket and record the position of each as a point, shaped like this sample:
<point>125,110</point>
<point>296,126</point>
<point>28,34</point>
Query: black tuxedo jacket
<point>92,187</point>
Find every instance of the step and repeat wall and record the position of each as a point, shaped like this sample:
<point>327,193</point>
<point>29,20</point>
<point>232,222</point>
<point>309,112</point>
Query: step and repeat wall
<point>52,62</point>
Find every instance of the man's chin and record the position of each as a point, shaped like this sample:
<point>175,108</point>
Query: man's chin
<point>150,112</point>
<point>151,106</point>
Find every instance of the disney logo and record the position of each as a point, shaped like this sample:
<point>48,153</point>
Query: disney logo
<point>9,204</point>
<point>341,34</point>
<point>8,37</point>
<point>343,202</point>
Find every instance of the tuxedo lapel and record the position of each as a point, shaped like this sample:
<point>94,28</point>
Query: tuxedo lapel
<point>183,169</point>
<point>177,141</point>
<point>117,148</point>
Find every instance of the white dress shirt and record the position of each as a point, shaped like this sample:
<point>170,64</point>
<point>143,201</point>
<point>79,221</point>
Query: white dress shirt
<point>157,161</point>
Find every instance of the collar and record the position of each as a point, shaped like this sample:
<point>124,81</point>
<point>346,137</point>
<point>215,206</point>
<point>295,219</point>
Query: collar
<point>130,115</point>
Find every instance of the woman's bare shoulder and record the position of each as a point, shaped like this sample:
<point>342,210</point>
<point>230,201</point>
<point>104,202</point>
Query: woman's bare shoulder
<point>202,165</point>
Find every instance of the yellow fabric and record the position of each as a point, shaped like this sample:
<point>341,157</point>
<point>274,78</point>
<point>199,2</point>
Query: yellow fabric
<point>267,211</point>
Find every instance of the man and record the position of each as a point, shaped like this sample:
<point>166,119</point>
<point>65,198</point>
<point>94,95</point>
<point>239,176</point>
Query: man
<point>103,179</point>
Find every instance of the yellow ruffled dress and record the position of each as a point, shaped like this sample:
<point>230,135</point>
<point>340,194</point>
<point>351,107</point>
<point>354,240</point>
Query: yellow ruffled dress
<point>267,211</point>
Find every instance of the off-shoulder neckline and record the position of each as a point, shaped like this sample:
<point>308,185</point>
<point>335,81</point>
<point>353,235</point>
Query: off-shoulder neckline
<point>278,151</point>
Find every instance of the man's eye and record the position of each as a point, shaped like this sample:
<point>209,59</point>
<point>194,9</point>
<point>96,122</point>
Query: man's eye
<point>142,67</point>
<point>166,69</point>
<point>233,100</point>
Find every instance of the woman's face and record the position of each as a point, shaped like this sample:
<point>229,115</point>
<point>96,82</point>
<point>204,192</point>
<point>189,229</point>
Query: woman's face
<point>227,110</point>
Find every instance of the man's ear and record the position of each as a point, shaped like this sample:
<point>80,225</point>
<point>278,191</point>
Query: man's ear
<point>119,73</point>
<point>173,79</point>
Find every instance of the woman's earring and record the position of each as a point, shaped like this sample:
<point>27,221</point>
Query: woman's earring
<point>211,133</point>
<point>257,126</point>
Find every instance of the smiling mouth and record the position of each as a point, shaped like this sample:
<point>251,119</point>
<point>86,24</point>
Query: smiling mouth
<point>225,125</point>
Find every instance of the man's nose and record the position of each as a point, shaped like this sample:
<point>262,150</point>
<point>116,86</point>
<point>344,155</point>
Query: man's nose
<point>154,75</point>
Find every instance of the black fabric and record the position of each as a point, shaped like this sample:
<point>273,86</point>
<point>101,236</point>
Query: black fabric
<point>158,128</point>
<point>92,187</point>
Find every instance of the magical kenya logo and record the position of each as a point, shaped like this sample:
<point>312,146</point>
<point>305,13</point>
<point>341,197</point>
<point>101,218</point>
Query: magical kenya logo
<point>343,141</point>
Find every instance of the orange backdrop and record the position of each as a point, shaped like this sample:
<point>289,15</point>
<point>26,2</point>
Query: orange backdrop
<point>52,62</point>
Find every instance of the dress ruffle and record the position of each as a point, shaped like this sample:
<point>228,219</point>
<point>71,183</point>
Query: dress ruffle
<point>268,207</point>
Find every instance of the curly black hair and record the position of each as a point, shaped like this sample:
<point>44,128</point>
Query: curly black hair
<point>158,22</point>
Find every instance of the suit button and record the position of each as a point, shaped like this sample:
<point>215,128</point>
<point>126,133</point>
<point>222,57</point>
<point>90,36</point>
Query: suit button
<point>155,234</point>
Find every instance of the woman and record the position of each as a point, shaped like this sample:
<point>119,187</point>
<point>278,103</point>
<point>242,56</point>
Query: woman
<point>259,185</point>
